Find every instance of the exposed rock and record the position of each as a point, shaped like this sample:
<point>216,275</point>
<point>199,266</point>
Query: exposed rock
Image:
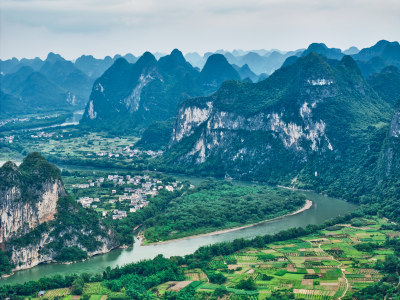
<point>30,195</point>
<point>305,113</point>
<point>395,125</point>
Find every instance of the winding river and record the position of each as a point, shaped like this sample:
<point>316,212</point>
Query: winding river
<point>323,209</point>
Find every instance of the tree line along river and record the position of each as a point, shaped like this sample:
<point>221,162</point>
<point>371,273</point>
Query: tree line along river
<point>323,208</point>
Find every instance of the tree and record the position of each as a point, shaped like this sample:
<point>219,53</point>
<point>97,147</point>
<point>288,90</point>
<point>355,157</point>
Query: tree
<point>216,278</point>
<point>220,291</point>
<point>248,284</point>
<point>77,286</point>
<point>391,263</point>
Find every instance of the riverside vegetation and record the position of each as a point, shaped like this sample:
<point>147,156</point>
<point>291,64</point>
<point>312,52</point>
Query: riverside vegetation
<point>351,257</point>
<point>215,205</point>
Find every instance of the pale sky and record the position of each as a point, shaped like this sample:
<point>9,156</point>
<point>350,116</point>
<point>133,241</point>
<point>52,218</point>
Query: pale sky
<point>30,28</point>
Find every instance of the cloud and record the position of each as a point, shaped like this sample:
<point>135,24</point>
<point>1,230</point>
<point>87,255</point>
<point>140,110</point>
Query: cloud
<point>100,26</point>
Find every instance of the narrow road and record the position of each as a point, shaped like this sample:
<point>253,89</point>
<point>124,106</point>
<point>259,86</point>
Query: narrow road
<point>343,270</point>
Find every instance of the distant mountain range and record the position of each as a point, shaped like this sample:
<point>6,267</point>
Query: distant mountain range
<point>42,86</point>
<point>37,86</point>
<point>59,84</point>
<point>129,97</point>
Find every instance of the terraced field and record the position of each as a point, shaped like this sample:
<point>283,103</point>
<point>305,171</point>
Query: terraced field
<point>323,266</point>
<point>326,265</point>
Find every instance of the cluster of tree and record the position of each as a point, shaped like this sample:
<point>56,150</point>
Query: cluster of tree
<point>140,164</point>
<point>71,254</point>
<point>158,205</point>
<point>367,247</point>
<point>387,288</point>
<point>220,204</point>
<point>5,263</point>
<point>247,284</point>
<point>157,135</point>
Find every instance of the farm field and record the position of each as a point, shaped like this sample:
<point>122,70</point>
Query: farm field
<point>71,145</point>
<point>335,263</point>
<point>320,266</point>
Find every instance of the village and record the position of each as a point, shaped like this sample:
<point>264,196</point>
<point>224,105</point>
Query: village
<point>83,146</point>
<point>132,193</point>
<point>127,151</point>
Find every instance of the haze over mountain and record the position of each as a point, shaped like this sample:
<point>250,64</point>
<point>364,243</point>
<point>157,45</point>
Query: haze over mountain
<point>265,151</point>
<point>374,59</point>
<point>131,96</point>
<point>56,84</point>
<point>71,82</point>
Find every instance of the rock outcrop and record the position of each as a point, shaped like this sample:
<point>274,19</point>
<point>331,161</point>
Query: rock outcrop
<point>38,220</point>
<point>29,199</point>
<point>129,97</point>
<point>303,116</point>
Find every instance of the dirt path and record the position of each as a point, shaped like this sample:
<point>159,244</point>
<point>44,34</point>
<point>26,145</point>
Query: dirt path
<point>344,275</point>
<point>306,206</point>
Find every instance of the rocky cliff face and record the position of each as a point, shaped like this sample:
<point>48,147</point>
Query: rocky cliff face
<point>38,220</point>
<point>29,195</point>
<point>307,112</point>
<point>395,125</point>
<point>32,255</point>
<point>131,96</point>
<point>389,162</point>
<point>19,216</point>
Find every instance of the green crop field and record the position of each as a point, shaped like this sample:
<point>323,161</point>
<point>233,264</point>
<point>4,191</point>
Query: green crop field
<point>326,269</point>
<point>333,264</point>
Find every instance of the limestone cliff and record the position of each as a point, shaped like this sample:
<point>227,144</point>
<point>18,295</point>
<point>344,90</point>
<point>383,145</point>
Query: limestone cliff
<point>38,221</point>
<point>24,206</point>
<point>389,161</point>
<point>303,117</point>
<point>129,97</point>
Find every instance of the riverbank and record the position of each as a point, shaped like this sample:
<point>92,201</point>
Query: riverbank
<point>306,206</point>
<point>323,208</point>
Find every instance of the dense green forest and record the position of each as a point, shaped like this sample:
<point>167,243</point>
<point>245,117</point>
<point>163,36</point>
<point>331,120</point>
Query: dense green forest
<point>220,204</point>
<point>123,228</point>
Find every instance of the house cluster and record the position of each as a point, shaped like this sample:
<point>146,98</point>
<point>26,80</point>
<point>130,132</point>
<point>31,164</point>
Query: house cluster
<point>86,202</point>
<point>7,139</point>
<point>42,134</point>
<point>119,214</point>
<point>26,119</point>
<point>91,183</point>
<point>128,151</point>
<point>81,185</point>
<point>137,193</point>
<point>13,120</point>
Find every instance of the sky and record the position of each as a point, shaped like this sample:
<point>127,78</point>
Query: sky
<point>30,28</point>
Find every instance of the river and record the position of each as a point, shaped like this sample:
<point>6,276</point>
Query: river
<point>323,209</point>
